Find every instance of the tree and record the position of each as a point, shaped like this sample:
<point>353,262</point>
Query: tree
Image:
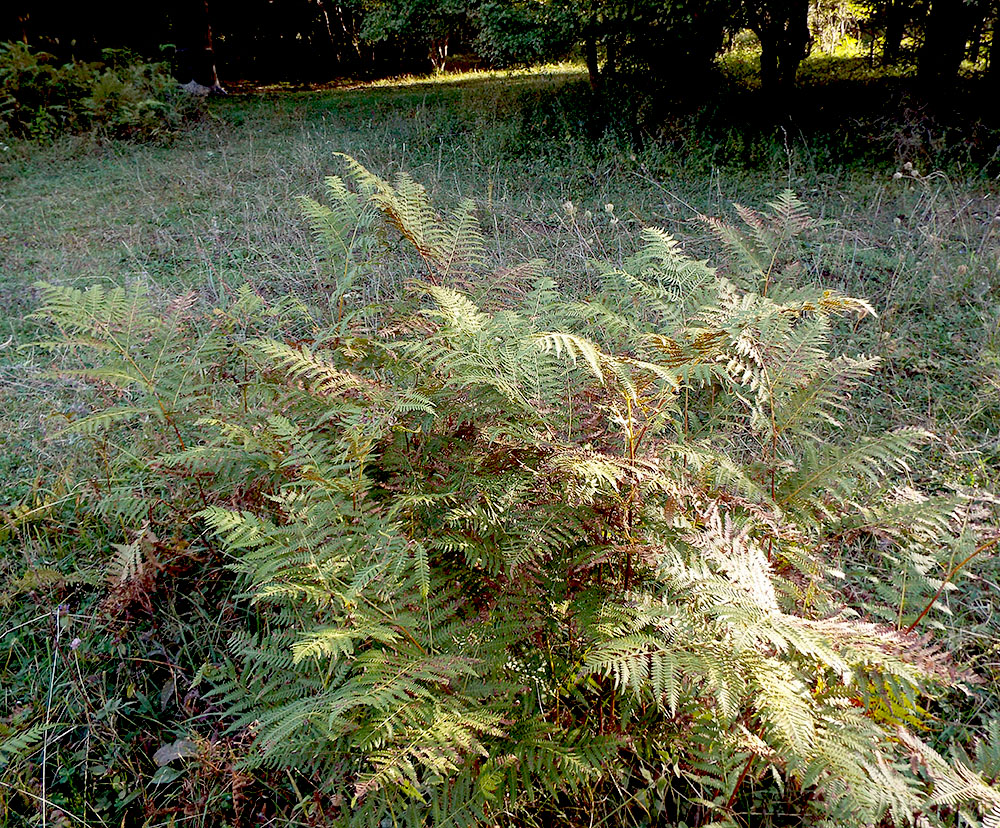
<point>664,41</point>
<point>783,29</point>
<point>949,24</point>
<point>195,52</point>
<point>678,40</point>
<point>432,23</point>
<point>993,73</point>
<point>895,16</point>
<point>512,32</point>
<point>628,40</point>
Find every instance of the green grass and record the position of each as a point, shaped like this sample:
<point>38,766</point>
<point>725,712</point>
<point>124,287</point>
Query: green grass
<point>217,208</point>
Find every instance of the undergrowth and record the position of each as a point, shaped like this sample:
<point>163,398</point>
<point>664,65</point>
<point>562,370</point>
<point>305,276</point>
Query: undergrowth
<point>488,552</point>
<point>121,97</point>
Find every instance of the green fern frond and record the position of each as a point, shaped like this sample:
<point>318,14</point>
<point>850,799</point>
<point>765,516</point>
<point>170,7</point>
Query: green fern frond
<point>836,471</point>
<point>573,346</point>
<point>449,249</point>
<point>954,784</point>
<point>21,744</point>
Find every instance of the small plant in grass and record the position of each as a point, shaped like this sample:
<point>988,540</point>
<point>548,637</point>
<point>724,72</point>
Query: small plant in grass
<point>514,558</point>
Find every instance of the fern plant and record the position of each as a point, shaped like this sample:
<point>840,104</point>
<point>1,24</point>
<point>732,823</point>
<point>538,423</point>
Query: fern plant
<point>513,556</point>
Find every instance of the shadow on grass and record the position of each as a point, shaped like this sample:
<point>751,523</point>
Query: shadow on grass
<point>845,111</point>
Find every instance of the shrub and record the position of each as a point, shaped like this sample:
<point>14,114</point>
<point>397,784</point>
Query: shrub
<point>123,99</point>
<point>515,557</point>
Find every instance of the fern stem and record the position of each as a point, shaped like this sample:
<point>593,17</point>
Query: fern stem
<point>774,441</point>
<point>770,268</point>
<point>48,712</point>
<point>739,782</point>
<point>631,441</point>
<point>687,427</point>
<point>983,547</point>
<point>406,633</point>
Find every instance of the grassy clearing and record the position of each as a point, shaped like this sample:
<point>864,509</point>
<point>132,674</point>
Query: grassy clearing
<point>218,208</point>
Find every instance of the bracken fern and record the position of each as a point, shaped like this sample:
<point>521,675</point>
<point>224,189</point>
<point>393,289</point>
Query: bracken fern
<point>511,562</point>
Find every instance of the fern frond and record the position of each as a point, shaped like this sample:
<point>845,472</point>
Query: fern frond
<point>102,420</point>
<point>504,552</point>
<point>836,470</point>
<point>954,784</point>
<point>21,744</point>
<point>449,249</point>
<point>573,346</point>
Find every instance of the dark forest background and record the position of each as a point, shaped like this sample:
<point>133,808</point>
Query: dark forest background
<point>620,40</point>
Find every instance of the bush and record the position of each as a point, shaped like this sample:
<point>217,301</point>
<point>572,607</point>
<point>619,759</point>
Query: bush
<point>515,558</point>
<point>120,99</point>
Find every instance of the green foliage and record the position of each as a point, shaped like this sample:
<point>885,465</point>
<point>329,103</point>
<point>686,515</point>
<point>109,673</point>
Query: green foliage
<point>125,99</point>
<point>512,34</point>
<point>509,551</point>
<point>431,23</point>
<point>636,41</point>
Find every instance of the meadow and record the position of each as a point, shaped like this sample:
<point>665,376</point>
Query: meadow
<point>910,220</point>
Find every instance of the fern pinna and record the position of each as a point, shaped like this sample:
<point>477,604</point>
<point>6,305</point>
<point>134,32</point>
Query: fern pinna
<point>519,558</point>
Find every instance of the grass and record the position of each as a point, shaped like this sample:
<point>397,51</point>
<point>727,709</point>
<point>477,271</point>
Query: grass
<point>217,208</point>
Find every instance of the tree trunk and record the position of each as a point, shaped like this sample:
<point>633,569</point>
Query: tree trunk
<point>769,77</point>
<point>782,26</point>
<point>593,69</point>
<point>439,53</point>
<point>993,73</point>
<point>897,15</point>
<point>350,33</point>
<point>947,32</point>
<point>795,43</point>
<point>195,52</point>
